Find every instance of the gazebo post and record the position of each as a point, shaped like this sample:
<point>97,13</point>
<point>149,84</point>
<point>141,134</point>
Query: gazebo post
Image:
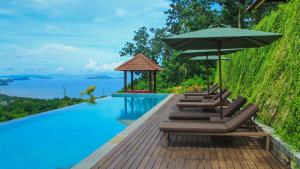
<point>154,90</point>
<point>131,76</point>
<point>150,81</point>
<point>125,81</point>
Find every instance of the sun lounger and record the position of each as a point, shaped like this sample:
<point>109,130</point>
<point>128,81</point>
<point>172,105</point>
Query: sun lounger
<point>227,112</point>
<point>207,104</point>
<point>205,91</point>
<point>202,98</point>
<point>211,91</point>
<point>222,128</point>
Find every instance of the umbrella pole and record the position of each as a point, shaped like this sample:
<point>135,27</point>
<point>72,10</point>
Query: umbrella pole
<point>207,76</point>
<point>220,81</point>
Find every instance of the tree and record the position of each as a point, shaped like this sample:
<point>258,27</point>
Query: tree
<point>189,15</point>
<point>90,92</point>
<point>234,12</point>
<point>148,42</point>
<point>185,16</point>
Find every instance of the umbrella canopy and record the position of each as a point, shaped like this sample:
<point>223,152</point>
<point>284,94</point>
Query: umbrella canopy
<point>194,53</point>
<point>209,58</point>
<point>220,38</point>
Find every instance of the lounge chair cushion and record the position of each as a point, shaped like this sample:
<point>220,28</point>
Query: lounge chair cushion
<point>249,111</point>
<point>234,106</point>
<point>204,115</point>
<point>199,104</point>
<point>203,98</point>
<point>193,93</point>
<point>213,103</point>
<point>177,115</point>
<point>193,127</point>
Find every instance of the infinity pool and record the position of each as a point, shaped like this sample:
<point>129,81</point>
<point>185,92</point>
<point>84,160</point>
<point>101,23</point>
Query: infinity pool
<point>61,138</point>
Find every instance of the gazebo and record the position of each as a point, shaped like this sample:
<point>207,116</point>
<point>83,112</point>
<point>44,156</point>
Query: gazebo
<point>139,63</point>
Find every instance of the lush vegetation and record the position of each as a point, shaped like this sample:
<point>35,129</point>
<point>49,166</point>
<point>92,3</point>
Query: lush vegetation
<point>184,16</point>
<point>270,76</point>
<point>17,107</point>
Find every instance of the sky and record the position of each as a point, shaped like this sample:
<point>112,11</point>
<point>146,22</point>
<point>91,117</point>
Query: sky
<point>71,36</point>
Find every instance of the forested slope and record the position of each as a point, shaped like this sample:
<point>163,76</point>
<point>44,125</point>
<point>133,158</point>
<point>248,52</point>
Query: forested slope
<point>270,76</point>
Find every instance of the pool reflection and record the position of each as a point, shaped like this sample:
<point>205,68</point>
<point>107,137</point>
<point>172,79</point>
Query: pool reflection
<point>135,107</point>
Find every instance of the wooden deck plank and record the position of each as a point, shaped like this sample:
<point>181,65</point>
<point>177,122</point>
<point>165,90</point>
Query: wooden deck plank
<point>228,160</point>
<point>245,155</point>
<point>110,157</point>
<point>221,158</point>
<point>140,149</point>
<point>151,154</point>
<point>252,156</point>
<point>168,154</point>
<point>207,161</point>
<point>143,149</point>
<point>200,153</point>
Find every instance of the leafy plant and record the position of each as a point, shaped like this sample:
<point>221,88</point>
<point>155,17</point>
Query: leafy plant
<point>90,92</point>
<point>270,76</point>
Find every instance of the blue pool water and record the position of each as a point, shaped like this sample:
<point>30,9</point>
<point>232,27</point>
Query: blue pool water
<point>63,137</point>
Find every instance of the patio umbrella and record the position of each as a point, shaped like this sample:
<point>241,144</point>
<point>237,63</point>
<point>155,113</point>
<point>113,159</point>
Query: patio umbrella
<point>194,53</point>
<point>208,58</point>
<point>220,38</point>
<point>211,52</point>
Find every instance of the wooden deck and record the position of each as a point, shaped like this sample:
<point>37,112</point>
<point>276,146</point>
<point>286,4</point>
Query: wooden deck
<point>143,149</point>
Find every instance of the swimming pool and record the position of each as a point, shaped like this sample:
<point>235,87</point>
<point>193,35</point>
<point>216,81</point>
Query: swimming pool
<point>63,137</point>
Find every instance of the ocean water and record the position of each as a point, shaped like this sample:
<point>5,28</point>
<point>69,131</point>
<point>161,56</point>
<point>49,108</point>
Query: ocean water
<point>53,88</point>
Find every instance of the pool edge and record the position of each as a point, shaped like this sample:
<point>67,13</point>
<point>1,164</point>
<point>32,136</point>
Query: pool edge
<point>100,152</point>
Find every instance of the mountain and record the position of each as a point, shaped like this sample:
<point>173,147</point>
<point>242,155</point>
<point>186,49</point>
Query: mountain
<point>5,80</point>
<point>100,77</point>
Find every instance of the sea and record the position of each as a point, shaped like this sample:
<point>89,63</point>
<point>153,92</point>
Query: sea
<point>58,86</point>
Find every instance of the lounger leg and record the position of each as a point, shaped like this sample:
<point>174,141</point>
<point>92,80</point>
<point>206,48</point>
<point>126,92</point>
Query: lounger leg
<point>268,141</point>
<point>165,140</point>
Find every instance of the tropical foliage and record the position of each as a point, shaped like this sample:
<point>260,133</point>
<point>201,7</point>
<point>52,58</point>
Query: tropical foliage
<point>270,76</point>
<point>17,107</point>
<point>184,16</point>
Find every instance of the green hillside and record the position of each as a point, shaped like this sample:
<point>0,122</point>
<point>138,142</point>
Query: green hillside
<point>270,76</point>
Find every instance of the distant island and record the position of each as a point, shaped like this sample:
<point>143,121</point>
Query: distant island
<point>5,80</point>
<point>100,77</point>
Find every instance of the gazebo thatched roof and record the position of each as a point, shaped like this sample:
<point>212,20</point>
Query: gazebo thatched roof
<point>139,63</point>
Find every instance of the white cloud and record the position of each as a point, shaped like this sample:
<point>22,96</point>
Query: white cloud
<point>121,12</point>
<point>93,65</point>
<point>58,47</point>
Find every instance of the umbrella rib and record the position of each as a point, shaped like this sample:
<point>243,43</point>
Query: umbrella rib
<point>180,43</point>
<point>254,41</point>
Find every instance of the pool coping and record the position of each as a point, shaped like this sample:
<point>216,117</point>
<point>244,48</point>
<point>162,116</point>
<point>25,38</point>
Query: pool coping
<point>104,149</point>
